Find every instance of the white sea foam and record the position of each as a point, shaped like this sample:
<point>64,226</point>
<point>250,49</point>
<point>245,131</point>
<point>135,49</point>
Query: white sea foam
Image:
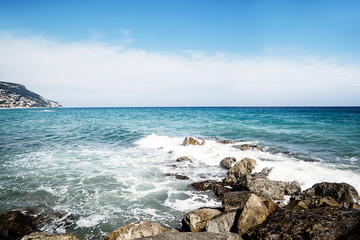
<point>90,221</point>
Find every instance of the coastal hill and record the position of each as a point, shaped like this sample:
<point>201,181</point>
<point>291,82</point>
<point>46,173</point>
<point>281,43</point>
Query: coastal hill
<point>13,95</point>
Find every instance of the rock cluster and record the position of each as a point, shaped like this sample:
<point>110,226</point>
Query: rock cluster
<point>14,95</point>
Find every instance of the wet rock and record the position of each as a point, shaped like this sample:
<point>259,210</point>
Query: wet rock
<point>271,206</point>
<point>245,166</point>
<point>254,213</point>
<point>192,141</point>
<point>195,221</point>
<point>230,180</point>
<point>292,188</point>
<point>205,185</point>
<point>221,223</point>
<point>183,159</point>
<point>266,171</point>
<point>227,162</point>
<point>220,191</point>
<point>194,236</point>
<point>177,176</point>
<point>319,223</point>
<point>246,147</point>
<point>15,224</point>
<point>226,142</point>
<point>343,193</point>
<point>261,186</point>
<point>48,236</point>
<point>136,230</point>
<point>235,200</point>
<point>313,202</point>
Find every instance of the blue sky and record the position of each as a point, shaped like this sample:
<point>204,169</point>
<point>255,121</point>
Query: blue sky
<point>319,34</point>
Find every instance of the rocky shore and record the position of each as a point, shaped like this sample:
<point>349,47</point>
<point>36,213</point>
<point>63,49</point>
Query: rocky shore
<point>253,207</point>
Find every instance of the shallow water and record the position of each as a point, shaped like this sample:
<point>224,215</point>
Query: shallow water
<point>106,166</point>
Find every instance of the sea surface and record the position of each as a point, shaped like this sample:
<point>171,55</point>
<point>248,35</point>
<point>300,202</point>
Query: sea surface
<point>105,167</point>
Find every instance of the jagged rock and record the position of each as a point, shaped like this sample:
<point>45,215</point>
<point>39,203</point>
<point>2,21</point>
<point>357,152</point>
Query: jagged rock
<point>292,188</point>
<point>195,221</point>
<point>313,202</point>
<point>319,223</point>
<point>205,185</point>
<point>266,171</point>
<point>220,191</point>
<point>15,224</point>
<point>193,141</point>
<point>194,236</point>
<point>183,159</point>
<point>246,147</point>
<point>221,223</point>
<point>261,186</point>
<point>343,193</point>
<point>177,176</point>
<point>13,95</point>
<point>48,236</point>
<point>235,200</point>
<point>226,142</point>
<point>271,206</point>
<point>136,230</point>
<point>230,180</point>
<point>227,162</point>
<point>245,166</point>
<point>254,213</point>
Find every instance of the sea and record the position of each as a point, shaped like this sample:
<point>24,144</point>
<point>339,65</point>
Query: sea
<point>102,168</point>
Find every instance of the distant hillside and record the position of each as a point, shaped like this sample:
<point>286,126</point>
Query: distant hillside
<point>13,95</point>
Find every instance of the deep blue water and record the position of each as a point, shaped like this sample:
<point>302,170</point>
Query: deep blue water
<point>86,160</point>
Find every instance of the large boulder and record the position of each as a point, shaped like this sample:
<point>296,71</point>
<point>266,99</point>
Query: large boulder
<point>235,200</point>
<point>254,213</point>
<point>195,221</point>
<point>136,230</point>
<point>15,224</point>
<point>245,166</point>
<point>319,223</point>
<point>261,186</point>
<point>227,162</point>
<point>48,236</point>
<point>343,193</point>
<point>194,236</point>
<point>193,141</point>
<point>313,202</point>
<point>222,223</point>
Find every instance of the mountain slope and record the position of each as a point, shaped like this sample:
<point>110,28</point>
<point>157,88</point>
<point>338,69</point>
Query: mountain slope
<point>13,95</point>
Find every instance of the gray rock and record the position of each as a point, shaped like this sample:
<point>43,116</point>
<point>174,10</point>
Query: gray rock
<point>227,162</point>
<point>194,236</point>
<point>183,159</point>
<point>235,200</point>
<point>292,188</point>
<point>319,223</point>
<point>136,230</point>
<point>221,223</point>
<point>343,193</point>
<point>48,236</point>
<point>261,186</point>
<point>195,221</point>
<point>266,171</point>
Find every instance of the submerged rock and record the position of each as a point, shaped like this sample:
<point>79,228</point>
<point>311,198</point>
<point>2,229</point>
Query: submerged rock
<point>226,141</point>
<point>48,236</point>
<point>136,230</point>
<point>343,193</point>
<point>194,236</point>
<point>195,221</point>
<point>246,147</point>
<point>192,141</point>
<point>183,159</point>
<point>227,162</point>
<point>15,224</point>
<point>319,223</point>
<point>177,176</point>
<point>261,186</point>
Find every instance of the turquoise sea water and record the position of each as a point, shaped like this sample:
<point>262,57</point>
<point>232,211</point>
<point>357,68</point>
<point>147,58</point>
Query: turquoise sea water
<point>105,167</point>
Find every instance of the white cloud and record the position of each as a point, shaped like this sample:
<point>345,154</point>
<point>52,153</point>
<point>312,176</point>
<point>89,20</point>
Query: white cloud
<point>98,74</point>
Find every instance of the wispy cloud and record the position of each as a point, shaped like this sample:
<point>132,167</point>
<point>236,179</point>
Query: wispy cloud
<point>99,74</point>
